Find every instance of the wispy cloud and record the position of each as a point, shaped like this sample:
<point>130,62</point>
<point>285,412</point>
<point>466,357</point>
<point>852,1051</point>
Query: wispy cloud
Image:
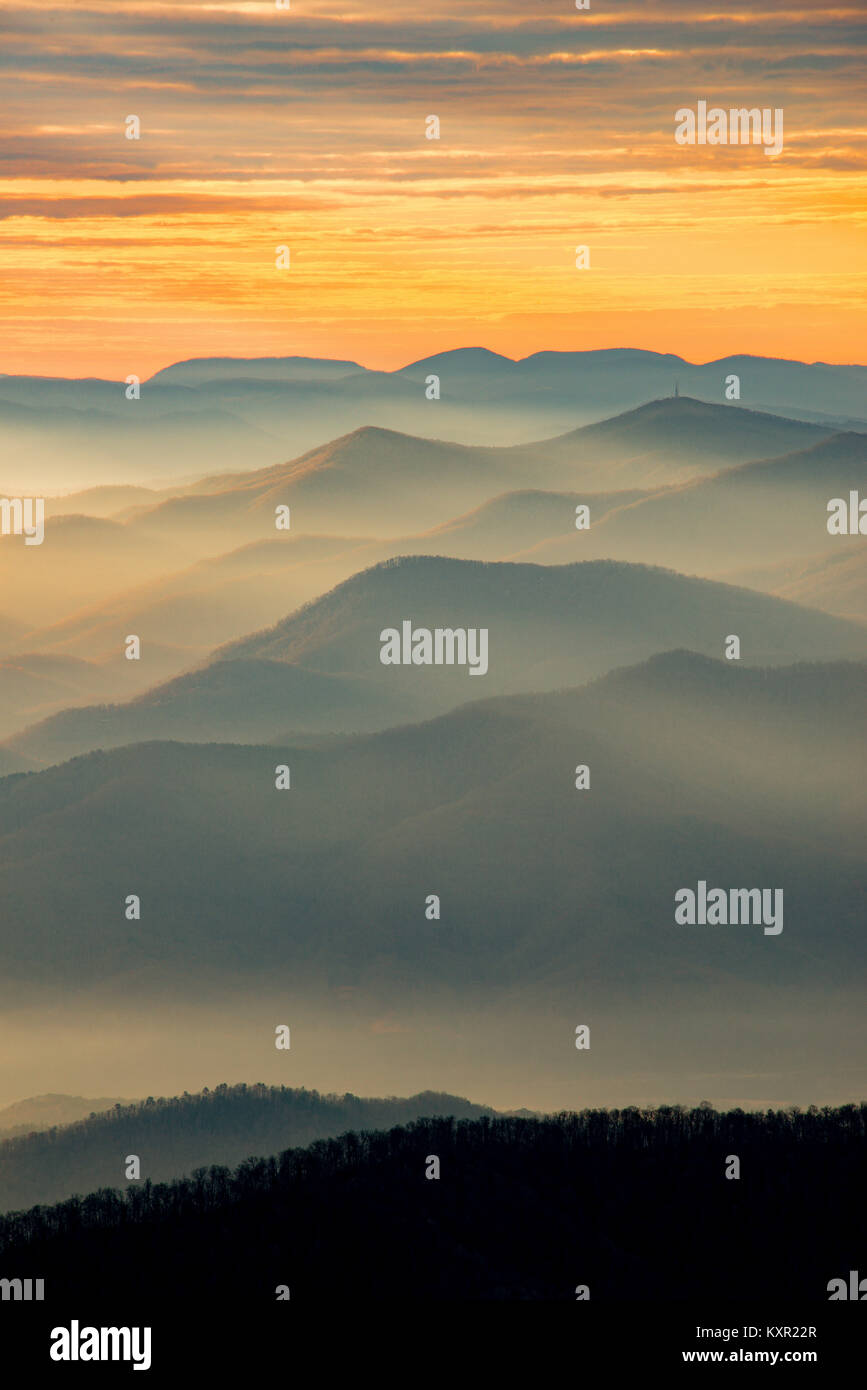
<point>307,126</point>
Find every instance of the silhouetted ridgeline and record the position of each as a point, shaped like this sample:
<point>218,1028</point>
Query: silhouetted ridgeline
<point>634,1204</point>
<point>174,1136</point>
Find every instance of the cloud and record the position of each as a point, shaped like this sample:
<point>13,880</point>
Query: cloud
<point>309,126</point>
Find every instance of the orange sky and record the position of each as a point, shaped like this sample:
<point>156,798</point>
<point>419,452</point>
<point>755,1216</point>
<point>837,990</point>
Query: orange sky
<point>307,128</point>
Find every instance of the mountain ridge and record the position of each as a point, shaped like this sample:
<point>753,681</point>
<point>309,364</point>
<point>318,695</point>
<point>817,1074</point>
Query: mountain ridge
<point>550,626</point>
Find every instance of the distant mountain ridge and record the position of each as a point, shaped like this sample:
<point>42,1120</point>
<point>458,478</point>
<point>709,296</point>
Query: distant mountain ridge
<point>265,409</point>
<point>676,482</point>
<point>195,371</point>
<point>655,444</point>
<point>174,1136</point>
<point>319,669</point>
<point>673,746</point>
<point>44,1112</point>
<point>771,510</point>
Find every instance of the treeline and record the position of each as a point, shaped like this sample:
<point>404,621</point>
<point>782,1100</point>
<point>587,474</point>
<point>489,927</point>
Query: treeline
<point>633,1204</point>
<point>173,1136</point>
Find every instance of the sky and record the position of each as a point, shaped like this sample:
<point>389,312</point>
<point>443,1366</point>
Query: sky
<point>305,128</point>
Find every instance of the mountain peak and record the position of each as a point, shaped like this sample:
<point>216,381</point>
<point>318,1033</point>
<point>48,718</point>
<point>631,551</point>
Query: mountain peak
<point>466,359</point>
<point>197,371</point>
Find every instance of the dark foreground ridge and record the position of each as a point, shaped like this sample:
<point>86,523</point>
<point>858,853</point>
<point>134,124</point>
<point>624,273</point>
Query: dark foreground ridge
<point>632,1204</point>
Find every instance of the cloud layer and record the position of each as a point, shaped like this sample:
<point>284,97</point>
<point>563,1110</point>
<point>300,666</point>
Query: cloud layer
<point>263,127</point>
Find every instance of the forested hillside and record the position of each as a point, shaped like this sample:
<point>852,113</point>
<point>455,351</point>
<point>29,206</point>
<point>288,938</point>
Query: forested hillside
<point>173,1136</point>
<point>630,1204</point>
